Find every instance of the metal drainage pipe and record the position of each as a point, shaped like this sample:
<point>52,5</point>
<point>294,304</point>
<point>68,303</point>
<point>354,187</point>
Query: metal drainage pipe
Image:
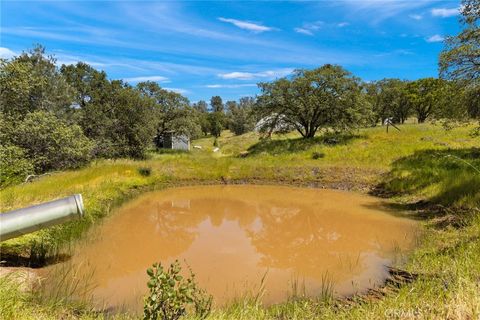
<point>19,222</point>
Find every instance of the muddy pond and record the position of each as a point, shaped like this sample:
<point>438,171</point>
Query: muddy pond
<point>300,239</point>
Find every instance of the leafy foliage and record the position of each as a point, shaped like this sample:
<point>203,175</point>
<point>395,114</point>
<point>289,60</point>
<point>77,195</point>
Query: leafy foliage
<point>50,143</point>
<point>14,166</point>
<point>201,109</point>
<point>427,96</point>
<point>389,99</point>
<point>132,127</point>
<point>461,57</point>
<point>145,171</point>
<point>472,101</point>
<point>240,115</point>
<point>327,97</point>
<point>171,112</point>
<point>216,120</point>
<point>32,82</point>
<point>217,104</point>
<point>114,115</point>
<point>171,295</point>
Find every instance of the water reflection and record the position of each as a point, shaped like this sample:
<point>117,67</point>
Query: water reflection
<point>232,235</point>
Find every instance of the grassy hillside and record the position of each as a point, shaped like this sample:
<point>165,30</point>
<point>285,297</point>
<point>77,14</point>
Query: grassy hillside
<point>421,167</point>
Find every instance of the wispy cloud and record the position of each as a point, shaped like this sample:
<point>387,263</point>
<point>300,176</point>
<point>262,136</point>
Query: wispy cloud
<point>163,21</point>
<point>247,25</point>
<point>230,86</point>
<point>445,12</point>
<point>269,74</point>
<point>80,36</point>
<point>6,53</point>
<point>168,16</point>
<point>377,11</point>
<point>61,58</point>
<point>65,58</point>
<point>178,90</point>
<point>147,78</point>
<point>435,38</point>
<point>139,66</point>
<point>309,28</point>
<point>304,31</point>
<point>416,16</point>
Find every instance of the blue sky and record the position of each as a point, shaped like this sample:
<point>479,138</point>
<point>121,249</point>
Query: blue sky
<point>205,48</point>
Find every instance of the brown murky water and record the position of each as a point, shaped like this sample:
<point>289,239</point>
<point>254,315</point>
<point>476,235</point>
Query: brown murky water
<point>232,235</point>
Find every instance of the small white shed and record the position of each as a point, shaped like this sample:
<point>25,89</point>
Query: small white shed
<point>171,140</point>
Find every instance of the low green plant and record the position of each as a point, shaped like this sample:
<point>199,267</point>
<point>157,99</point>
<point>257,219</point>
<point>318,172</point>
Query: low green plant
<point>318,155</point>
<point>171,295</point>
<point>145,171</point>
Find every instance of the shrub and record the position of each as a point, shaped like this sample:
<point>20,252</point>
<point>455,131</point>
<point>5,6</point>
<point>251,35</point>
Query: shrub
<point>14,166</point>
<point>51,143</point>
<point>144,171</point>
<point>171,295</point>
<point>318,155</point>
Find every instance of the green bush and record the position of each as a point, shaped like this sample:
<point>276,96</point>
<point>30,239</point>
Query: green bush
<point>51,143</point>
<point>14,166</point>
<point>318,155</point>
<point>171,295</point>
<point>145,171</point>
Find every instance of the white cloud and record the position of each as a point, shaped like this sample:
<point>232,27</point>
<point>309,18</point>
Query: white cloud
<point>445,12</point>
<point>435,38</point>
<point>416,16</point>
<point>304,31</point>
<point>6,53</point>
<point>147,78</point>
<point>238,75</point>
<point>309,28</point>
<point>250,26</point>
<point>230,86</point>
<point>255,75</point>
<point>376,11</point>
<point>312,27</point>
<point>178,90</point>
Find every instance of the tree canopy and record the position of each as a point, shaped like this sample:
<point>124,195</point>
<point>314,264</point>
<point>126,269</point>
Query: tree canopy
<point>389,99</point>
<point>31,82</point>
<point>461,58</point>
<point>171,111</point>
<point>327,97</point>
<point>240,115</point>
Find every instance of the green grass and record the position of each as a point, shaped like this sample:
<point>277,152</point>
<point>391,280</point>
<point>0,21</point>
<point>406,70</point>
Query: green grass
<point>420,163</point>
<point>449,177</point>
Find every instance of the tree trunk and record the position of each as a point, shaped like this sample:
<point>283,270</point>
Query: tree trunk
<point>309,133</point>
